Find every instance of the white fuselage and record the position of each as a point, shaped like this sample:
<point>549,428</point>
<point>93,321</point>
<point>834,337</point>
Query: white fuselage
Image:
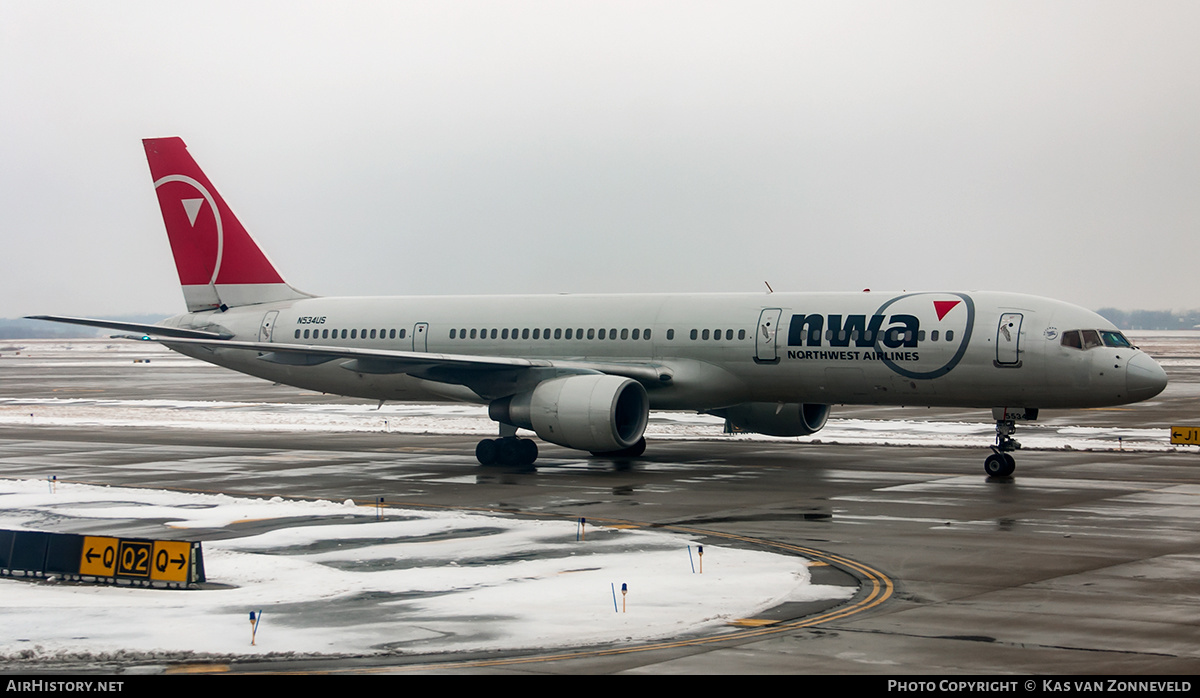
<point>713,350</point>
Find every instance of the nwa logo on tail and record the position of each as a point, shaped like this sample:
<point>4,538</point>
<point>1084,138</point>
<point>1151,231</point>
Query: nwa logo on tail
<point>892,335</point>
<point>207,241</point>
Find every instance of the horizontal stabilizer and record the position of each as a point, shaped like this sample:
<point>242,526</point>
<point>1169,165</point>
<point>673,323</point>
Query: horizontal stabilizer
<point>152,330</point>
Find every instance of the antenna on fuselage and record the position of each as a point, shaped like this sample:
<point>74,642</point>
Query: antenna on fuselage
<point>769,289</point>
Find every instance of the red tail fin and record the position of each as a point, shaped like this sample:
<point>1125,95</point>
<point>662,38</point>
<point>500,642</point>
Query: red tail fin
<point>219,264</point>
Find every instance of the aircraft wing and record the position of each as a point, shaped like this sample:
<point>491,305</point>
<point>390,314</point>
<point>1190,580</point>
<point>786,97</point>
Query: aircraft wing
<point>490,376</point>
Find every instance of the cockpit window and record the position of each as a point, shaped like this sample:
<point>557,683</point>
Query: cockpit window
<point>1114,339</point>
<point>1086,339</point>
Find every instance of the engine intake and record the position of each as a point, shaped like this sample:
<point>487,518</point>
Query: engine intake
<point>596,413</point>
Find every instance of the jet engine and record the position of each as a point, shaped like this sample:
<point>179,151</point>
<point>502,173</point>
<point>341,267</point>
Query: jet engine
<point>776,419</point>
<point>598,413</point>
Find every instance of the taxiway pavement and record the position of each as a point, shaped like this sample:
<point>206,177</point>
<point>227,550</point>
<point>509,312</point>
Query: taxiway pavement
<point>1083,562</point>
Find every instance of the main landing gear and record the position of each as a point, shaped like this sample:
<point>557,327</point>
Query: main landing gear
<point>1001,463</point>
<point>507,450</point>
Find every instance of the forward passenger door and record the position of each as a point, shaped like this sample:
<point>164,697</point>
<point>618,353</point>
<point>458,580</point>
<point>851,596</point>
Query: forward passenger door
<point>1008,340</point>
<point>766,336</point>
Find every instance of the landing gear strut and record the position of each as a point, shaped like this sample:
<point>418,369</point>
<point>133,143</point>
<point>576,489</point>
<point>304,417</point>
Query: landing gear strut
<point>1001,463</point>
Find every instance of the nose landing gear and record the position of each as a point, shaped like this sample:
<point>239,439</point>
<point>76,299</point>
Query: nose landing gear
<point>1001,463</point>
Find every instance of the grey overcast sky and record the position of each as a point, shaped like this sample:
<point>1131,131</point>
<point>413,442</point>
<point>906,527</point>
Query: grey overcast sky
<point>388,148</point>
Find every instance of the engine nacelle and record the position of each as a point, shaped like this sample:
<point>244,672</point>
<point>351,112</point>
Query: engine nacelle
<point>773,419</point>
<point>596,413</point>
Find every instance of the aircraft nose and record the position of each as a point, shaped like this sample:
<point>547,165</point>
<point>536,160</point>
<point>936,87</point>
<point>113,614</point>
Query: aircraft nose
<point>1144,378</point>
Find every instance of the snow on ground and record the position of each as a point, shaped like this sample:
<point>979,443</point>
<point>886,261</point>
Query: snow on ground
<point>347,583</point>
<point>471,419</point>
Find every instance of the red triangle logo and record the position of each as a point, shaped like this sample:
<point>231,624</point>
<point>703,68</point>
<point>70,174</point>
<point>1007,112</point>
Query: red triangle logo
<point>943,307</point>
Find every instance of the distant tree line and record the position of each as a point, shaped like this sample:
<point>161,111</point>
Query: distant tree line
<point>20,328</point>
<point>33,329</point>
<point>1151,319</point>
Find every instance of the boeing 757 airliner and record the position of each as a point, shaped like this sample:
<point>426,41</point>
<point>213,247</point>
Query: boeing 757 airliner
<point>584,371</point>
